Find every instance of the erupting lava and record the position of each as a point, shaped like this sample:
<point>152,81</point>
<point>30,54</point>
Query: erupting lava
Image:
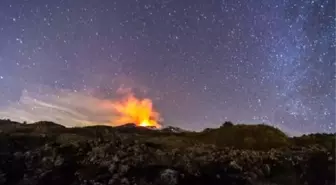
<point>138,111</point>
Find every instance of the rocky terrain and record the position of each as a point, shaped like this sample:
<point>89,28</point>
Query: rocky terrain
<point>46,153</point>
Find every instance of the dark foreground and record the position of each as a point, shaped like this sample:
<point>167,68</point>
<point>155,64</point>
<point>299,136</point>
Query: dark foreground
<point>49,154</point>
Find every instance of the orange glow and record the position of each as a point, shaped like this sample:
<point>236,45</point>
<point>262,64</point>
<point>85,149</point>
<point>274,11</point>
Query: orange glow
<point>133,110</point>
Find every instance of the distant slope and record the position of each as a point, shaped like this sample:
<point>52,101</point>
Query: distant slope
<point>245,136</point>
<point>257,137</point>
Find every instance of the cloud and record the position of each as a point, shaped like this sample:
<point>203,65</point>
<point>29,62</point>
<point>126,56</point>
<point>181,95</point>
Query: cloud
<point>61,106</point>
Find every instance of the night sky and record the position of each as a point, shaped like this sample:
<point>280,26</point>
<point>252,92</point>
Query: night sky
<point>202,62</point>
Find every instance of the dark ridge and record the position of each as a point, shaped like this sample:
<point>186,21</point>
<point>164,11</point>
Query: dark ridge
<point>46,124</point>
<point>8,122</point>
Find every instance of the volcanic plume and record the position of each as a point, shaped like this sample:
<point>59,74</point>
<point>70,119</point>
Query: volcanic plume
<point>130,109</point>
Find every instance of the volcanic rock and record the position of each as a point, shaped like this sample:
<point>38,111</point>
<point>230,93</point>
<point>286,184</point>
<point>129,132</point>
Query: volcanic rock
<point>104,155</point>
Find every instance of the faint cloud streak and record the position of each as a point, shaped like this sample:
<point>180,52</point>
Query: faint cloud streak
<point>66,107</point>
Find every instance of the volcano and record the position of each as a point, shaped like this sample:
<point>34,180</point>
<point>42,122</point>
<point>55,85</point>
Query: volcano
<point>141,112</point>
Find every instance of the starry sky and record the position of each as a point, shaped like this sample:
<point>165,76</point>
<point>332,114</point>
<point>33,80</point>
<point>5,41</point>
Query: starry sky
<point>202,62</point>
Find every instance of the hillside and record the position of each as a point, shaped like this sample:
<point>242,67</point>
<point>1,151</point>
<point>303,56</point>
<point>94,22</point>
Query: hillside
<point>49,153</point>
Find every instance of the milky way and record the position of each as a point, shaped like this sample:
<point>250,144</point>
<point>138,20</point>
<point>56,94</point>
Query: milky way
<point>201,62</point>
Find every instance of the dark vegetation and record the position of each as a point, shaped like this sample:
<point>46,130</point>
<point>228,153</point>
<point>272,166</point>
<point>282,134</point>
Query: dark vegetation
<point>48,153</point>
